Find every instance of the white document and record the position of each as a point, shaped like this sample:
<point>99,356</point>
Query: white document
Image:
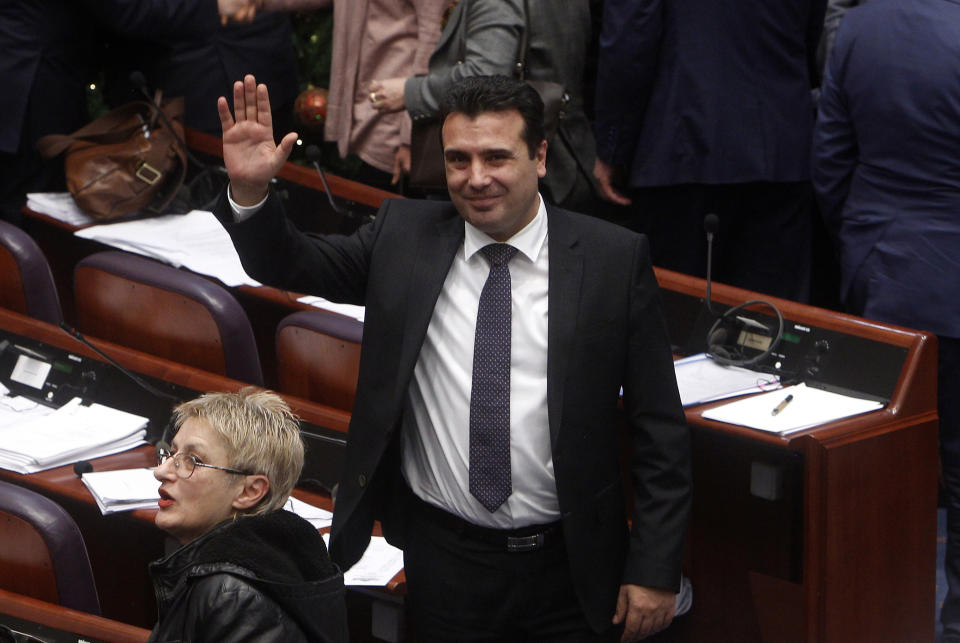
<point>72,432</point>
<point>808,407</point>
<point>123,490</point>
<point>319,518</point>
<point>378,565</point>
<point>700,379</point>
<point>350,310</point>
<point>195,240</point>
<point>60,206</point>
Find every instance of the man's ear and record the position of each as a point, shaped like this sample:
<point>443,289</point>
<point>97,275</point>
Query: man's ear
<point>541,157</point>
<point>254,489</point>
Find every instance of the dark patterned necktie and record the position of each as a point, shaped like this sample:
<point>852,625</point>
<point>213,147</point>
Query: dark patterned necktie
<point>490,395</point>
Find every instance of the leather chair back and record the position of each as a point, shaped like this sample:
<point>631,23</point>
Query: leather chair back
<point>43,554</point>
<point>26,283</point>
<point>318,357</point>
<point>158,309</point>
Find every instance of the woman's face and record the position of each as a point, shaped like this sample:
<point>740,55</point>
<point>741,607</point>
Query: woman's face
<point>190,507</point>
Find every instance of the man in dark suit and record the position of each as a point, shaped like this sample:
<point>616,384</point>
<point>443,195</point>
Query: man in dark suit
<point>705,106</point>
<point>887,175</point>
<point>485,433</point>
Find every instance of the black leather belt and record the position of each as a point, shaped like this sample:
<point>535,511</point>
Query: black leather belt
<point>523,539</point>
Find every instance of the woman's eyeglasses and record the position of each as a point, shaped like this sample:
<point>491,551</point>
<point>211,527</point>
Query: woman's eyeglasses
<point>185,464</point>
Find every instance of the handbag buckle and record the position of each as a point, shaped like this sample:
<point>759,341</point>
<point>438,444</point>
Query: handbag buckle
<point>147,173</point>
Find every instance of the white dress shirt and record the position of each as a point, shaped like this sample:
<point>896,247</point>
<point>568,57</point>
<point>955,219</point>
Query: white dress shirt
<point>436,452</point>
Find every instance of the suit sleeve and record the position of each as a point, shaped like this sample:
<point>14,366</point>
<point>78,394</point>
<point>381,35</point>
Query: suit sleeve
<point>152,19</point>
<point>835,151</point>
<point>626,67</point>
<point>275,253</point>
<point>492,36</point>
<point>660,440</point>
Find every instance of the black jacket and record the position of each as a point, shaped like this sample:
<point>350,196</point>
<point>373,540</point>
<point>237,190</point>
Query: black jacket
<point>258,578</point>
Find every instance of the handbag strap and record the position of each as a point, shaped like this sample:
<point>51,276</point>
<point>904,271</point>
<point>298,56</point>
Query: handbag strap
<point>108,128</point>
<point>520,67</point>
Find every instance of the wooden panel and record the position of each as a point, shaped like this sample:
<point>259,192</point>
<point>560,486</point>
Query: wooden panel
<point>149,319</point>
<point>26,566</point>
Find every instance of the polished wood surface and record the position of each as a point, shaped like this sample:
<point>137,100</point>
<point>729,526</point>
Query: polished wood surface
<point>67,620</point>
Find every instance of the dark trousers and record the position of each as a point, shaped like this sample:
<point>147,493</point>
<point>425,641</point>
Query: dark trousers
<point>763,242</point>
<point>948,402</point>
<point>463,587</point>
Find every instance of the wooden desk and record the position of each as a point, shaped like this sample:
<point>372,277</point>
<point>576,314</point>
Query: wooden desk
<point>847,551</point>
<point>66,620</point>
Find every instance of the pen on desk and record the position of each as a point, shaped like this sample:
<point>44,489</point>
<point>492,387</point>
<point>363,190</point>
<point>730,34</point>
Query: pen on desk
<point>782,405</point>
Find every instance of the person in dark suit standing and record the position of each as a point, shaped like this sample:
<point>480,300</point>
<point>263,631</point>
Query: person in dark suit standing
<point>706,106</point>
<point>498,333</point>
<point>887,174</point>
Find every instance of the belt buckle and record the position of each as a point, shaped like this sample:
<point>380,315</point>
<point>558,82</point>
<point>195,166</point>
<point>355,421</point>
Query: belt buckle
<point>516,544</point>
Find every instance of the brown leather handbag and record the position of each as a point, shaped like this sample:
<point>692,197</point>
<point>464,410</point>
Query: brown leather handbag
<point>124,162</point>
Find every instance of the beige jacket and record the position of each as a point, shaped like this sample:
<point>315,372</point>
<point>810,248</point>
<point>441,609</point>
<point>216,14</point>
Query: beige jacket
<point>376,39</point>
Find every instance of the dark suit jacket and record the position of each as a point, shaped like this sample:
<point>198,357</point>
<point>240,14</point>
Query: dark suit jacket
<point>605,330</point>
<point>886,168</point>
<point>701,91</point>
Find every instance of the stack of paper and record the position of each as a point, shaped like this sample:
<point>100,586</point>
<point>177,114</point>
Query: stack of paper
<point>319,518</point>
<point>349,310</point>
<point>378,565</point>
<point>793,408</point>
<point>700,379</point>
<point>123,490</point>
<point>195,240</point>
<point>34,442</point>
<point>60,206</point>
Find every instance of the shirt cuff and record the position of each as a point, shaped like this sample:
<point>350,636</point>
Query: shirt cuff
<point>243,212</point>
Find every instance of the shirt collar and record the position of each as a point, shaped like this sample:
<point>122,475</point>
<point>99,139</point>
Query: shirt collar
<point>529,240</point>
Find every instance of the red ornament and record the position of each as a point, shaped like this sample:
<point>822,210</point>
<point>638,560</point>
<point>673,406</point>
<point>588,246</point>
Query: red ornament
<point>311,109</point>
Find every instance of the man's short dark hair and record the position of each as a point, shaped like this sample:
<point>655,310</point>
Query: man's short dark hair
<point>475,95</point>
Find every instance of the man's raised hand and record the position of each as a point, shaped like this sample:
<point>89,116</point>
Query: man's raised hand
<point>250,155</point>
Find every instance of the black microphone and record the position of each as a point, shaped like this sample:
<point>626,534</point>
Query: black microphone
<point>81,467</point>
<point>711,223</point>
<point>314,155</point>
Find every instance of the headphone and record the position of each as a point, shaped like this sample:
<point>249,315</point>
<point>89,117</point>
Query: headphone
<point>731,354</point>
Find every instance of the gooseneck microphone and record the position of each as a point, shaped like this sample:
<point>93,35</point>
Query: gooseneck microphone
<point>73,332</point>
<point>314,155</point>
<point>711,223</point>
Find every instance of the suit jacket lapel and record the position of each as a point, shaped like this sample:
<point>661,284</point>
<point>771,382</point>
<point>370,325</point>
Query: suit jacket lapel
<point>434,256</point>
<point>566,276</point>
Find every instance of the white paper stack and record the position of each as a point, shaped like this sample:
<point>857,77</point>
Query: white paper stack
<point>378,565</point>
<point>319,518</point>
<point>195,240</point>
<point>123,490</point>
<point>32,443</point>
<point>790,409</point>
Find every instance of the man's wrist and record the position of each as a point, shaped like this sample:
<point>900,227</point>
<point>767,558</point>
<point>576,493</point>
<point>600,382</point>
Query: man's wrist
<point>243,212</point>
<point>247,196</point>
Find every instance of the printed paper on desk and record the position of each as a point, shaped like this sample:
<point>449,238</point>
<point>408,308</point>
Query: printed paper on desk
<point>701,379</point>
<point>807,408</point>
